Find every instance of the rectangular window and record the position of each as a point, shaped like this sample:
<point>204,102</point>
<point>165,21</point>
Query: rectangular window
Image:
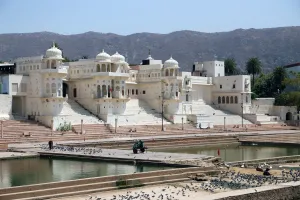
<point>233,86</point>
<point>220,86</point>
<point>14,87</point>
<point>144,92</point>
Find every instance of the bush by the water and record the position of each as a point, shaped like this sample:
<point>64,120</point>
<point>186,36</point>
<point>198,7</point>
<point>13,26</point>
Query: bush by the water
<point>64,127</point>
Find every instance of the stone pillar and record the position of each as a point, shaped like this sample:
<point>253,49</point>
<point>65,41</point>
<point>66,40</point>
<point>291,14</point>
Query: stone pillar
<point>81,127</point>
<point>52,127</point>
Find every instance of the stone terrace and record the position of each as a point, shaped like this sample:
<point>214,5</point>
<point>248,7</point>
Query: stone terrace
<point>285,138</point>
<point>176,129</point>
<point>29,131</point>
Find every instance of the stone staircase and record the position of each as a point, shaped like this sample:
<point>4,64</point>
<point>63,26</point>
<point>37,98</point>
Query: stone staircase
<point>285,138</point>
<point>74,113</point>
<point>98,130</point>
<point>100,184</point>
<point>217,115</point>
<point>138,112</point>
<point>27,131</point>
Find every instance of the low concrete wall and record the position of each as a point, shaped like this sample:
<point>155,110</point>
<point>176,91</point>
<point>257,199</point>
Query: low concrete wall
<point>288,191</point>
<point>82,186</point>
<point>3,147</point>
<point>274,160</point>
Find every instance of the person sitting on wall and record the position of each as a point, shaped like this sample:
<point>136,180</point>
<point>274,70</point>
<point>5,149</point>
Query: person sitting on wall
<point>266,172</point>
<point>50,143</point>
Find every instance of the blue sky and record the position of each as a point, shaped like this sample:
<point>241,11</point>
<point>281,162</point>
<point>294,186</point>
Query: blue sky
<point>157,16</point>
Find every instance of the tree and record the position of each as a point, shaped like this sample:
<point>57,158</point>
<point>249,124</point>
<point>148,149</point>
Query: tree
<point>84,57</point>
<point>230,66</point>
<point>66,59</point>
<point>1,61</point>
<point>288,99</point>
<point>293,81</point>
<point>271,84</point>
<point>262,86</point>
<point>279,75</point>
<point>253,67</point>
<point>56,45</point>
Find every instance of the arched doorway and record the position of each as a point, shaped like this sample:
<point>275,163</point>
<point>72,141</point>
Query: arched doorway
<point>288,116</point>
<point>104,91</point>
<point>98,91</point>
<point>74,92</point>
<point>65,89</point>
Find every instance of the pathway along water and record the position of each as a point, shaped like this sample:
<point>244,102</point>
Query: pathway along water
<point>231,153</point>
<point>20,172</point>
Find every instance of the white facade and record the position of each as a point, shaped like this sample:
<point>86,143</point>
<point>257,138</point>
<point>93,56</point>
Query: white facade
<point>107,88</point>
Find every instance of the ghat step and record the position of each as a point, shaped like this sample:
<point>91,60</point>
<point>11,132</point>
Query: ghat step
<point>84,186</point>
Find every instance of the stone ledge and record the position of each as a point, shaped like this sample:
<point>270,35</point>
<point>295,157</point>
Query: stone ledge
<point>286,191</point>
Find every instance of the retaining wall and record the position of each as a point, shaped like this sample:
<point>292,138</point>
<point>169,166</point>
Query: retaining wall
<point>289,191</point>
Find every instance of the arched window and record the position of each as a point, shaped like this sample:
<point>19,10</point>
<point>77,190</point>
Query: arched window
<point>123,91</point>
<point>53,64</point>
<point>231,99</point>
<point>103,68</point>
<point>136,92</point>
<point>109,90</point>
<point>235,99</point>
<point>132,91</point>
<point>227,100</point>
<point>48,64</point>
<point>98,91</point>
<point>98,68</point>
<point>219,100</point>
<point>59,89</point>
<point>104,91</point>
<point>53,88</point>
<point>223,100</point>
<point>167,72</point>
<point>47,88</point>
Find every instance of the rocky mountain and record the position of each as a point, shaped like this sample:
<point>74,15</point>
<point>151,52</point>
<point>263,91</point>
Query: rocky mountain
<point>274,46</point>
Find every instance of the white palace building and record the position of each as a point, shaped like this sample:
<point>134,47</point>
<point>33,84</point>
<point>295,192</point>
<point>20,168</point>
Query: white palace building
<point>107,90</point>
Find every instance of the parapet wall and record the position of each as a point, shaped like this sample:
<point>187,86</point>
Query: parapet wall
<point>288,191</point>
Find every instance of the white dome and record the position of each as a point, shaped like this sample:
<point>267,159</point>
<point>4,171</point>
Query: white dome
<point>149,58</point>
<point>54,53</point>
<point>171,63</point>
<point>124,64</point>
<point>117,57</point>
<point>103,56</point>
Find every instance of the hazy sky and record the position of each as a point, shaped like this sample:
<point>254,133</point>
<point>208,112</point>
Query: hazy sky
<point>157,16</point>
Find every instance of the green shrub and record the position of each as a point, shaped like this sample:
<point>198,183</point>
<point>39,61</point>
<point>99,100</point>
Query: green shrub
<point>288,99</point>
<point>64,127</point>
